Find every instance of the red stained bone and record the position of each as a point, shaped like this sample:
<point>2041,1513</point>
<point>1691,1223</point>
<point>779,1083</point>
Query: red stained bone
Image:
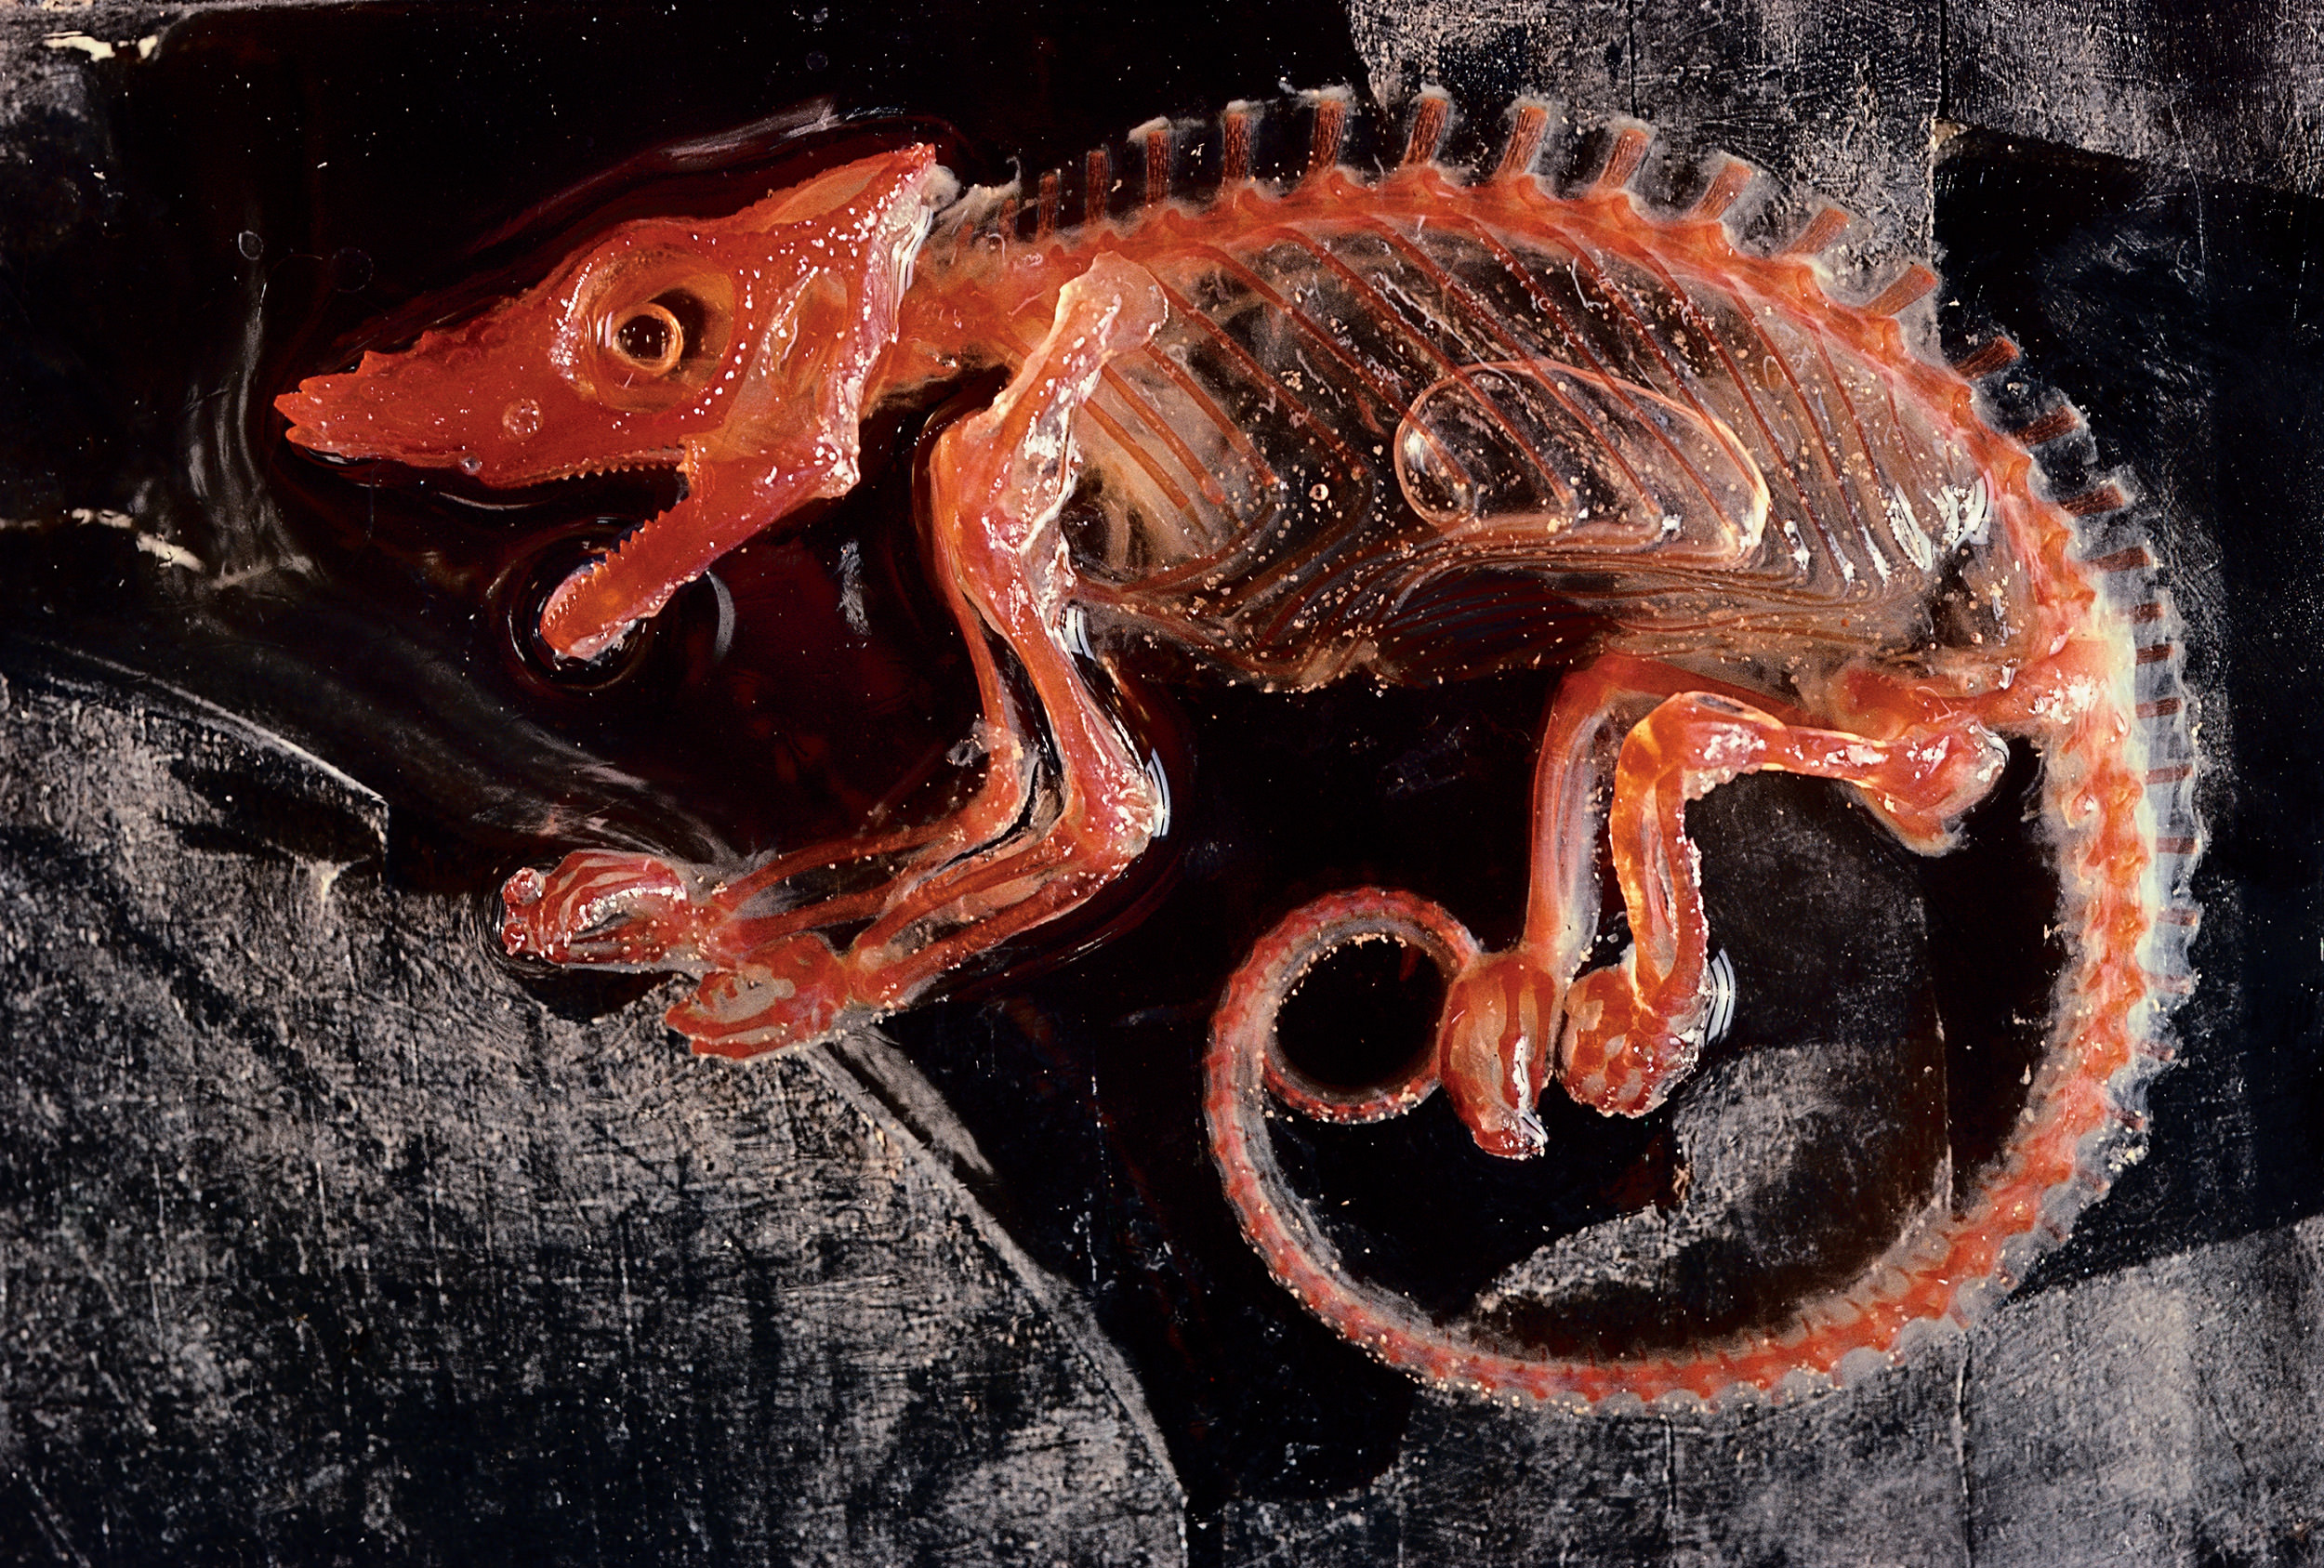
<point>1306,403</point>
<point>1429,112</point>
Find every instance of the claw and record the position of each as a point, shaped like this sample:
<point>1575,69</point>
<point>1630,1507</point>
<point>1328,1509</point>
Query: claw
<point>603,908</point>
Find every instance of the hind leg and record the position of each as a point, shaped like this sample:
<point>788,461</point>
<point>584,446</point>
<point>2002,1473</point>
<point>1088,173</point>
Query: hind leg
<point>1497,1036</point>
<point>1646,738</point>
<point>1633,1030</point>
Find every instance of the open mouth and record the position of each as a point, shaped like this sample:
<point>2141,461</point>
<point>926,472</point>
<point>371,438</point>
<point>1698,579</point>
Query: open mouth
<point>636,490</point>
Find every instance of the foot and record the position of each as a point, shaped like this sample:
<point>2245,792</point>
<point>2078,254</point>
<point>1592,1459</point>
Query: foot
<point>605,909</point>
<point>1494,1045</point>
<point>1622,1055</point>
<point>795,993</point>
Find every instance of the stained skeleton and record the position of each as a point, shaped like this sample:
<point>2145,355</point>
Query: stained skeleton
<point>1315,426</point>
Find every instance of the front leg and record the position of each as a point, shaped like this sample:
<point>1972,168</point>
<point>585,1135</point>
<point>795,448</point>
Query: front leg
<point>1025,849</point>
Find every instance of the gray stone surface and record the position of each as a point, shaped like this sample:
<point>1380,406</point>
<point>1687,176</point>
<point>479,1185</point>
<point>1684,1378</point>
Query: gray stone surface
<point>322,1240</point>
<point>2234,90</point>
<point>2172,1413</point>
<point>1838,97</point>
<point>1855,99</point>
<point>2168,1414</point>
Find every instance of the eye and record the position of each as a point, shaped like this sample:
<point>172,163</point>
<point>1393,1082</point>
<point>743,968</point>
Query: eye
<point>647,330</point>
<point>652,339</point>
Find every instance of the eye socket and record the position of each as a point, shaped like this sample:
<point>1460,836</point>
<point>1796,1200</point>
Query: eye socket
<point>648,328</point>
<point>652,339</point>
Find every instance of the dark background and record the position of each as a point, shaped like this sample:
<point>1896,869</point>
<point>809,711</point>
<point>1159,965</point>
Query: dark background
<point>329,1237</point>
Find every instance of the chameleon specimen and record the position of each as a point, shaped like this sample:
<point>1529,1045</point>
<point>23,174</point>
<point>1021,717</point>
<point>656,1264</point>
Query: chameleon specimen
<point>1266,415</point>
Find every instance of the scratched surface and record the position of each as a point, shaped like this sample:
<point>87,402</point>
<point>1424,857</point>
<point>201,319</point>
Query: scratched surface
<point>323,1239</point>
<point>326,1237</point>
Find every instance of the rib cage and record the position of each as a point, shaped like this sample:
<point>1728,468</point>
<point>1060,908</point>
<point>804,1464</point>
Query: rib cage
<point>1902,550</point>
<point>1368,389</point>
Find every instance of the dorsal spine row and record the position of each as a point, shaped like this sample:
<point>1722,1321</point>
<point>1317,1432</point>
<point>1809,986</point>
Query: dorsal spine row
<point>1288,144</point>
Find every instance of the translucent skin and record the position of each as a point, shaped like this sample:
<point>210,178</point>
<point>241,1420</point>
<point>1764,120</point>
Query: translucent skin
<point>1274,427</point>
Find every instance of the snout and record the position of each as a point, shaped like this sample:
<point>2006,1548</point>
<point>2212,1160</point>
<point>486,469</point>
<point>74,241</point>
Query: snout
<point>374,410</point>
<point>470,398</point>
